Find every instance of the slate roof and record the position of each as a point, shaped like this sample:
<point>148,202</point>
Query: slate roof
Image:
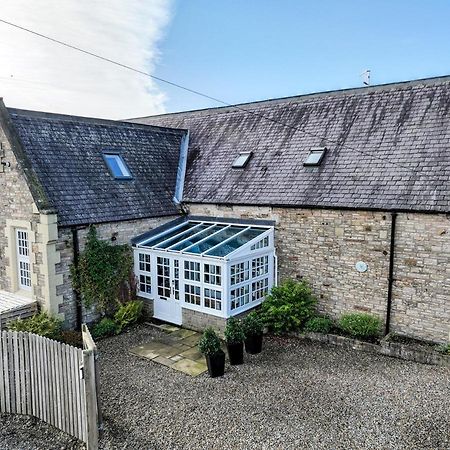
<point>388,149</point>
<point>65,153</point>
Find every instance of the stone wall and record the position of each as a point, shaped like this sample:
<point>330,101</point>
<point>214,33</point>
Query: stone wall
<point>120,232</point>
<point>323,247</point>
<point>198,321</point>
<point>18,210</point>
<point>421,293</point>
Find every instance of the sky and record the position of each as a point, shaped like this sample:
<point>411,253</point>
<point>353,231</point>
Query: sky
<point>237,51</point>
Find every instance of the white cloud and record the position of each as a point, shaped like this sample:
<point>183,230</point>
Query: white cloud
<point>37,74</point>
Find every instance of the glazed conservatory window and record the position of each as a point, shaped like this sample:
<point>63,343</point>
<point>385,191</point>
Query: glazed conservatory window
<point>163,271</point>
<point>260,266</point>
<point>213,299</point>
<point>145,284</point>
<point>192,270</point>
<point>176,278</point>
<point>192,294</point>
<point>261,244</point>
<point>260,289</point>
<point>240,296</point>
<point>239,273</point>
<point>144,262</point>
<point>212,274</point>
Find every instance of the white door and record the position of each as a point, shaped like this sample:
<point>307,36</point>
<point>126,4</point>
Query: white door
<point>167,305</point>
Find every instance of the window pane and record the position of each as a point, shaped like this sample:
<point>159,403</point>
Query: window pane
<point>185,235</point>
<point>237,242</point>
<point>155,241</point>
<point>214,240</point>
<point>117,166</point>
<point>200,236</point>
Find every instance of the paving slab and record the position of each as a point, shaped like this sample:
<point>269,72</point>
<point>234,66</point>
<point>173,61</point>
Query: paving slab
<point>177,348</point>
<point>193,368</point>
<point>164,361</point>
<point>192,353</point>
<point>182,334</point>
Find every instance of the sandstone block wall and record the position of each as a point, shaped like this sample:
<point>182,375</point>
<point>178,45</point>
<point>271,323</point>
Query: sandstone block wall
<point>323,247</point>
<point>121,232</point>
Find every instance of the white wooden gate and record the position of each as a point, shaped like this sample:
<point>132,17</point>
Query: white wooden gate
<point>52,381</point>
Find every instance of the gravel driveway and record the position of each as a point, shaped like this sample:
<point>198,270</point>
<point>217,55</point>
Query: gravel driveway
<point>295,395</point>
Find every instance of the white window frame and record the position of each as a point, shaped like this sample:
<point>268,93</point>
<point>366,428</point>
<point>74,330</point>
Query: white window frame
<point>23,251</point>
<point>244,254</point>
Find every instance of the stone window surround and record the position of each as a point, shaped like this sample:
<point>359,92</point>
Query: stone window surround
<point>10,252</point>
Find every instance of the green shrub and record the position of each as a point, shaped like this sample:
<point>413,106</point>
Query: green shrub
<point>106,327</point>
<point>209,343</point>
<point>444,348</point>
<point>42,324</point>
<point>234,333</point>
<point>360,325</point>
<point>104,274</point>
<point>288,306</point>
<point>253,324</point>
<point>127,314</point>
<point>319,325</point>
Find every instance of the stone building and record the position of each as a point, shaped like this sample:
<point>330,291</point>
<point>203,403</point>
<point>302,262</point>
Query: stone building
<point>354,185</point>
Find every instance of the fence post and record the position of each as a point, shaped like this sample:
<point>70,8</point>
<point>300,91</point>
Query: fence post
<point>91,399</point>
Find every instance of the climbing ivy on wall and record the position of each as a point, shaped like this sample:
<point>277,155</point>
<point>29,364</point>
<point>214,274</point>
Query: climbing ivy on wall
<point>104,275</point>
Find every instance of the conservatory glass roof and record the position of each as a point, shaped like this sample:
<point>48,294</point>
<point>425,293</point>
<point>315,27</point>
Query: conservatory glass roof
<point>204,238</point>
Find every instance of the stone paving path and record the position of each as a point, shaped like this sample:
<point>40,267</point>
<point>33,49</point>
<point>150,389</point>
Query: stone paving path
<point>177,349</point>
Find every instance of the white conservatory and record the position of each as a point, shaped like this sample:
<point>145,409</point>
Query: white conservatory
<point>219,267</point>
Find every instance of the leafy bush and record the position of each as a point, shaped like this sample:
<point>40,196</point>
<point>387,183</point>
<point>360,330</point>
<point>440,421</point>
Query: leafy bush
<point>444,348</point>
<point>253,324</point>
<point>360,325</point>
<point>234,332</point>
<point>127,314</point>
<point>104,274</point>
<point>209,343</point>
<point>288,306</point>
<point>42,324</point>
<point>319,325</point>
<point>106,327</point>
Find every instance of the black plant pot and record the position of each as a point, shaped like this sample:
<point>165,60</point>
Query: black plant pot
<point>236,353</point>
<point>216,364</point>
<point>253,344</point>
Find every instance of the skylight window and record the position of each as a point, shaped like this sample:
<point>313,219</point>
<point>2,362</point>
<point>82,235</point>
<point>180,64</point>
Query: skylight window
<point>117,166</point>
<point>315,156</point>
<point>241,161</point>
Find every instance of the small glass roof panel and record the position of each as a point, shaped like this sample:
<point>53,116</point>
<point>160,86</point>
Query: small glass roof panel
<point>204,246</point>
<point>233,244</point>
<point>155,241</point>
<point>182,235</point>
<point>196,237</point>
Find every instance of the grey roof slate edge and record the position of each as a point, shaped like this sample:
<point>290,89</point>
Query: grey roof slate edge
<point>34,184</point>
<point>300,97</point>
<point>94,120</point>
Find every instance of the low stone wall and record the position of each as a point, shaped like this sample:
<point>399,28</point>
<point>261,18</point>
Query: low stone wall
<point>198,321</point>
<point>385,347</point>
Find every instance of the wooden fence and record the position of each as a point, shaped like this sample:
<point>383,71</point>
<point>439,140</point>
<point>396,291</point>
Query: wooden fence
<point>52,381</point>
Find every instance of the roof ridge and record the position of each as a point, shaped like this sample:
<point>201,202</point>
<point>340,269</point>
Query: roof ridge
<point>353,90</point>
<point>94,120</point>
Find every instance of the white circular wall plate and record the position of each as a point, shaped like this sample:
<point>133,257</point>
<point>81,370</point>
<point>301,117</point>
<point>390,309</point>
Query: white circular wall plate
<point>361,266</point>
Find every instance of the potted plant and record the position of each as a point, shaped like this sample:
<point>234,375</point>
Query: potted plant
<point>234,337</point>
<point>209,345</point>
<point>253,326</point>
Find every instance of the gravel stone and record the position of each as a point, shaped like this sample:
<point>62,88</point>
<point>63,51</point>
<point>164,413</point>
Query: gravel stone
<point>295,395</point>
